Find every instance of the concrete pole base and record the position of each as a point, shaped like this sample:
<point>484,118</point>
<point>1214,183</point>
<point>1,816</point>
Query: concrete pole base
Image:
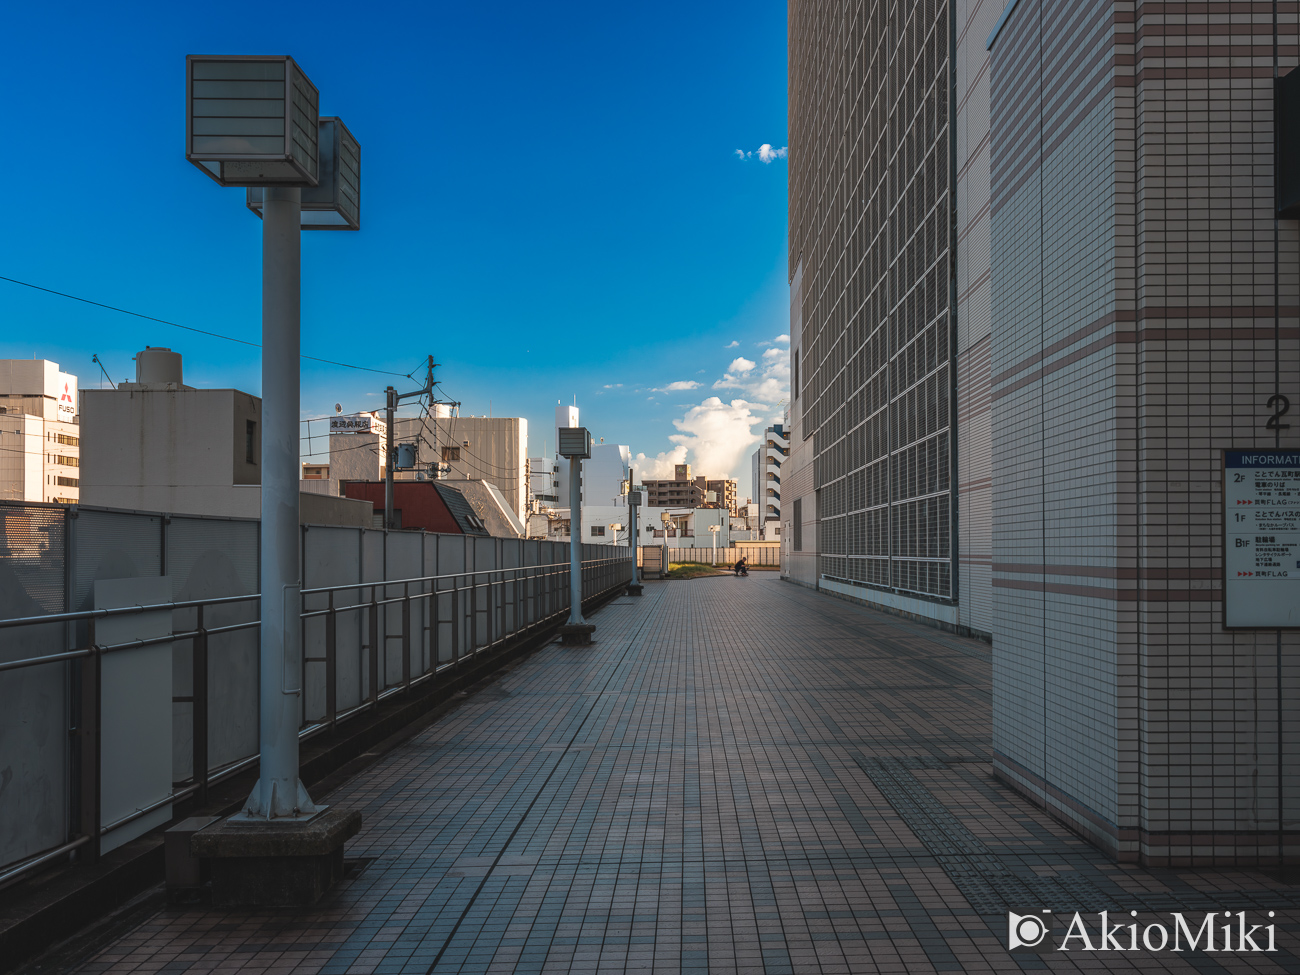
<point>275,864</point>
<point>577,634</point>
<point>635,589</point>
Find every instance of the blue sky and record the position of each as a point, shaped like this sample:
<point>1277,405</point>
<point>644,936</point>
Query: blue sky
<point>553,205</point>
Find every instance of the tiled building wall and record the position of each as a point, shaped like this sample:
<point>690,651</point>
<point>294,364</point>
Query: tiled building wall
<point>1132,313</point>
<point>871,226</point>
<point>1206,327</point>
<point>974,21</point>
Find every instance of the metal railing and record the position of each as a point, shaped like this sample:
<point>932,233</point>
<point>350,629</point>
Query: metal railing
<point>442,621</point>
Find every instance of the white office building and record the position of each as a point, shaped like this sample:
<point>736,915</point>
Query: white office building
<point>40,434</point>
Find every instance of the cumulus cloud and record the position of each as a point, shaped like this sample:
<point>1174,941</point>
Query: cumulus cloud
<point>678,386</point>
<point>613,385</point>
<point>783,338</point>
<point>768,385</point>
<point>733,344</point>
<point>661,465</point>
<point>765,153</point>
<point>718,435</point>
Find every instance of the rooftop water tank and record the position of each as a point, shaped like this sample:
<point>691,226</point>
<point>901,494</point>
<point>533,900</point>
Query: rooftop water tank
<point>158,366</point>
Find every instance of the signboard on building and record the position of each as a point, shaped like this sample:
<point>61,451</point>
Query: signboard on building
<point>65,393</point>
<point>1261,538</point>
<point>358,423</point>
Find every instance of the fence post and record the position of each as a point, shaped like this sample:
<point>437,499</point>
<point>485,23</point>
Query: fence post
<point>406,635</point>
<point>374,642</point>
<point>199,715</point>
<point>473,614</point>
<point>88,747</point>
<point>455,619</point>
<point>331,663</point>
<point>435,654</point>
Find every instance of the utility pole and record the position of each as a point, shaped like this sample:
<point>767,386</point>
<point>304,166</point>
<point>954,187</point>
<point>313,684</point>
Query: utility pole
<point>394,399</point>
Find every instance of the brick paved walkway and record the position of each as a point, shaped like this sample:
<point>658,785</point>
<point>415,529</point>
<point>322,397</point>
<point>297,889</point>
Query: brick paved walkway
<point>743,776</point>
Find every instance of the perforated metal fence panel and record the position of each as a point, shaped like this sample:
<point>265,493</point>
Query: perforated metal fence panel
<point>33,701</point>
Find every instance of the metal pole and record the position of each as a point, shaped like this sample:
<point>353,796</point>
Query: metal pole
<point>388,460</point>
<point>631,522</point>
<point>575,542</point>
<point>279,794</point>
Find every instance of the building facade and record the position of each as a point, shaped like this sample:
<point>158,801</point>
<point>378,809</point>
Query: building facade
<point>157,444</point>
<point>40,432</point>
<point>765,464</point>
<point>687,490</point>
<point>1038,287</point>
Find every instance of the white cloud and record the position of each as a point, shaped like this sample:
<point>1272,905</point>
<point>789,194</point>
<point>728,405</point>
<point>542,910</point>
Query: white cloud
<point>613,385</point>
<point>718,435</point>
<point>783,338</point>
<point>766,153</point>
<point>733,344</point>
<point>678,386</point>
<point>661,465</point>
<point>769,385</point>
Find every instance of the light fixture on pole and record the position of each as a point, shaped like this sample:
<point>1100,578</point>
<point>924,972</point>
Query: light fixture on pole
<point>634,501</point>
<point>252,121</point>
<point>575,444</point>
<point>713,530</point>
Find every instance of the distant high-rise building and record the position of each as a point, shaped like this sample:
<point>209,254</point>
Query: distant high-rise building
<point>765,474</point>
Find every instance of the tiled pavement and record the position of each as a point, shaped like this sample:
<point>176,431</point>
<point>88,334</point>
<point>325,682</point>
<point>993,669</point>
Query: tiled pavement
<point>741,776</point>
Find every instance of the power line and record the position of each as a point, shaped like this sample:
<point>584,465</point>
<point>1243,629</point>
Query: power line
<point>191,328</point>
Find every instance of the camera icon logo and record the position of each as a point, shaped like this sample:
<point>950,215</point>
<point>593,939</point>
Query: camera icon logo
<point>1025,931</point>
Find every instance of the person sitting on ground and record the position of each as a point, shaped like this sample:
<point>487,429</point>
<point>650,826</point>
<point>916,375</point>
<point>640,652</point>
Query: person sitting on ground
<point>742,569</point>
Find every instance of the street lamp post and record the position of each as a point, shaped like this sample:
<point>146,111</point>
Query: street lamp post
<point>713,530</point>
<point>575,444</point>
<point>253,121</point>
<point>634,587</point>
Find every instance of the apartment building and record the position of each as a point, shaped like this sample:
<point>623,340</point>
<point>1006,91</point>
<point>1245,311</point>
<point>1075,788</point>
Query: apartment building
<point>765,480</point>
<point>687,490</point>
<point>1040,288</point>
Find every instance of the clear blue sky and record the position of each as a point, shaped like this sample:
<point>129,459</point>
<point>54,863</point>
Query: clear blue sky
<point>552,205</point>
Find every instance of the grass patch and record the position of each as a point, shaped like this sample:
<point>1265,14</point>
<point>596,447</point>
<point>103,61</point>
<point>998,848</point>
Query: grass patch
<point>692,570</point>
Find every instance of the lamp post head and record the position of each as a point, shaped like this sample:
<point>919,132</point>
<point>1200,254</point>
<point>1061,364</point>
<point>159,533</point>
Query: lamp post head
<point>334,203</point>
<point>251,120</point>
<point>575,443</point>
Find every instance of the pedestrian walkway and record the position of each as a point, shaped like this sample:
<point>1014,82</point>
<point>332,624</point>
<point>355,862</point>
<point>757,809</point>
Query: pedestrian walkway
<point>740,776</point>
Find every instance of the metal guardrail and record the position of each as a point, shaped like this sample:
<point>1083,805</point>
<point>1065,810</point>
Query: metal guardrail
<point>487,608</point>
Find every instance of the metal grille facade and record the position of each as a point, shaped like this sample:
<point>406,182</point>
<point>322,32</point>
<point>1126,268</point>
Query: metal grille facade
<point>871,222</point>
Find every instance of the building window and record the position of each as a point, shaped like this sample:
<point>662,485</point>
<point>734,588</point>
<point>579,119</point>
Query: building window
<point>250,441</point>
<point>67,461</point>
<point>67,481</point>
<point>597,531</point>
<point>798,525</point>
<point>450,454</point>
<point>63,438</point>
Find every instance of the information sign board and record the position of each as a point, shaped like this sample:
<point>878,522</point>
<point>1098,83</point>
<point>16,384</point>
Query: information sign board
<point>1261,538</point>
<point>358,423</point>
